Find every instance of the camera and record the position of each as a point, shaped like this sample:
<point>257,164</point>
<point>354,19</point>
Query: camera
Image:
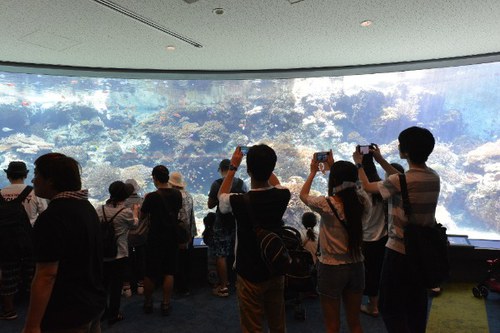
<point>244,149</point>
<point>322,156</point>
<point>366,149</point>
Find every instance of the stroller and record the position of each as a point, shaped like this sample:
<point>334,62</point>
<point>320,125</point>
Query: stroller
<point>301,275</point>
<point>492,281</point>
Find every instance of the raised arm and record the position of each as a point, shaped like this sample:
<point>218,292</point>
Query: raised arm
<point>313,169</point>
<point>367,186</point>
<point>228,180</point>
<point>273,180</point>
<point>380,160</point>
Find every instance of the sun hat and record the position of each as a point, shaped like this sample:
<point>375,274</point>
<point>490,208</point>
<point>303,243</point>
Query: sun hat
<point>17,167</point>
<point>176,179</point>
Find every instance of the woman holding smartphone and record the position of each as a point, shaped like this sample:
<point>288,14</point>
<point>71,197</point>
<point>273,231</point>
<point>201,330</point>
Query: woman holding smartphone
<point>340,268</point>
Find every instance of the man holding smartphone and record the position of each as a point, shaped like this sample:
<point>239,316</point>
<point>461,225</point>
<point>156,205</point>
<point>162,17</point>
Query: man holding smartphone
<point>260,293</point>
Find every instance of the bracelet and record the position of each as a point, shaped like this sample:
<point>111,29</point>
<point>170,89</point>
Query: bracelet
<point>232,167</point>
<point>359,165</point>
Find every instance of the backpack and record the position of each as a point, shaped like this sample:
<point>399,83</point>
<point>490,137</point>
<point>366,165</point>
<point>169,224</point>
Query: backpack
<point>300,274</point>
<point>208,233</point>
<point>109,239</point>
<point>15,228</point>
<point>426,246</point>
<point>272,248</point>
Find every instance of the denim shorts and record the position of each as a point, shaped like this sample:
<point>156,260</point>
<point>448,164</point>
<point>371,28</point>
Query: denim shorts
<point>333,280</point>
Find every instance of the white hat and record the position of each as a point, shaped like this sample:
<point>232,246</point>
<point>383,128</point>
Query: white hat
<point>133,182</point>
<point>175,179</point>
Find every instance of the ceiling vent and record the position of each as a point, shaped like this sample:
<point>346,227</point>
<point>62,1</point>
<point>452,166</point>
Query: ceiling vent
<point>145,20</point>
<point>190,1</point>
<point>292,2</point>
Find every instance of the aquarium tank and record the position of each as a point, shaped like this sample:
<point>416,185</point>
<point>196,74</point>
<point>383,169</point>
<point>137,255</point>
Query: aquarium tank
<point>121,128</point>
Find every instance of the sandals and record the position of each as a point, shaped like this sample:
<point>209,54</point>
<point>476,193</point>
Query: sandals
<point>112,321</point>
<point>365,310</point>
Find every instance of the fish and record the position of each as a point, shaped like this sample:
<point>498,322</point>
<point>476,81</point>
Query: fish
<point>177,115</point>
<point>25,103</point>
<point>7,129</point>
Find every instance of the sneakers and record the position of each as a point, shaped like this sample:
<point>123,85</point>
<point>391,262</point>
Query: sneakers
<point>220,291</point>
<point>9,315</point>
<point>127,292</point>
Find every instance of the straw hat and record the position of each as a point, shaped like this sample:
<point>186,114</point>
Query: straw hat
<point>176,180</point>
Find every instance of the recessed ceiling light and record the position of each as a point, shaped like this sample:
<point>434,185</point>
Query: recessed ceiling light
<point>170,48</point>
<point>218,11</point>
<point>366,23</point>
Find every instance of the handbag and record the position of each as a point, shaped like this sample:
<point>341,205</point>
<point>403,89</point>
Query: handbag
<point>138,235</point>
<point>272,248</point>
<point>426,246</point>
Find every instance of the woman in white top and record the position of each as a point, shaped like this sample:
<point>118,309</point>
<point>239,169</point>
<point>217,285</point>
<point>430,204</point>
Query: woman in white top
<point>114,268</point>
<point>340,268</point>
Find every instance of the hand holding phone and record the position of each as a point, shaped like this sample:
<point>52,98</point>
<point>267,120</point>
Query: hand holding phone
<point>363,150</point>
<point>244,149</point>
<point>322,156</point>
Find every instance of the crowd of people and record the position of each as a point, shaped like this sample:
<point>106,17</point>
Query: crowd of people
<point>357,243</point>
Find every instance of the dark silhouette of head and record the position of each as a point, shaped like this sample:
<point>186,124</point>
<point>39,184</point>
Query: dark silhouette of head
<point>261,160</point>
<point>416,144</point>
<point>160,173</point>
<point>63,171</point>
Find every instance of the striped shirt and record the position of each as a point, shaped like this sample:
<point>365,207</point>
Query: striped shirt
<point>423,192</point>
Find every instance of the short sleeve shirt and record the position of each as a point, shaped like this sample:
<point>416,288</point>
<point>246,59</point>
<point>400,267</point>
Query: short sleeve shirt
<point>423,192</point>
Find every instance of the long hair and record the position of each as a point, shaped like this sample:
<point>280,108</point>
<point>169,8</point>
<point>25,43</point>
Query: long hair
<point>343,171</point>
<point>309,222</point>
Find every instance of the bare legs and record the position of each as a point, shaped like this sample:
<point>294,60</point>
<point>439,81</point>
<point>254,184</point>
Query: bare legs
<point>149,286</point>
<point>331,312</point>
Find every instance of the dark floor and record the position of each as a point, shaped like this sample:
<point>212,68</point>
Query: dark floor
<point>202,312</point>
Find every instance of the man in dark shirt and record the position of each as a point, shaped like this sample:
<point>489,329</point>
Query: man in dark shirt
<point>224,235</point>
<point>67,291</point>
<point>162,247</point>
<point>260,294</point>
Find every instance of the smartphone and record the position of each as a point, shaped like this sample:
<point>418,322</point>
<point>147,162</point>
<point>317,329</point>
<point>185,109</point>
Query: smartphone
<point>322,156</point>
<point>364,149</point>
<point>244,149</point>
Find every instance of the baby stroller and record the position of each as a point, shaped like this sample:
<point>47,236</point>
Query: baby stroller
<point>300,276</point>
<point>492,281</point>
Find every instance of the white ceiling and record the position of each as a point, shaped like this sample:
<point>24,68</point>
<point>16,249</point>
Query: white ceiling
<point>251,35</point>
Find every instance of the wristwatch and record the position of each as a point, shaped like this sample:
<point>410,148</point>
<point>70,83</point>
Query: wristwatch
<point>359,165</point>
<point>232,167</point>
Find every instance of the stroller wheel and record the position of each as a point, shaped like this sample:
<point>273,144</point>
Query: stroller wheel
<point>484,291</point>
<point>476,292</point>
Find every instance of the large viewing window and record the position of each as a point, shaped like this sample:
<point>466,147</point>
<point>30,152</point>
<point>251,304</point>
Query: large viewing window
<point>121,128</point>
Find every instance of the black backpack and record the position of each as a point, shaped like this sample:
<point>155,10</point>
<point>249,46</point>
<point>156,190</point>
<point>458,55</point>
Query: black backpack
<point>109,239</point>
<point>15,228</point>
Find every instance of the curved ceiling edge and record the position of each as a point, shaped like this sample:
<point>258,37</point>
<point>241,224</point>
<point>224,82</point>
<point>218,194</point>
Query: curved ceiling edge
<point>127,73</point>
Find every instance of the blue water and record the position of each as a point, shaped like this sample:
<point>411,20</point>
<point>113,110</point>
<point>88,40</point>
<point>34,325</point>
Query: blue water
<point>118,129</point>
